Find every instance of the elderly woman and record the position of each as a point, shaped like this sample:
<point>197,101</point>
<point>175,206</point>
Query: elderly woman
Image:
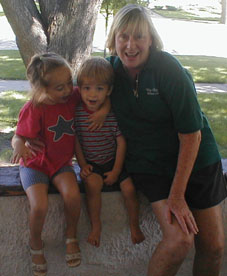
<point>172,155</point>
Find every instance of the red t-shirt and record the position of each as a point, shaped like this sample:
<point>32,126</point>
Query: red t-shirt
<point>54,126</point>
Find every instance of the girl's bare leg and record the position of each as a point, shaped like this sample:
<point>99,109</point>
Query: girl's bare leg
<point>132,206</point>
<point>38,200</point>
<point>67,186</point>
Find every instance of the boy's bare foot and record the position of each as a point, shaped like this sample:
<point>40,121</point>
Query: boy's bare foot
<point>137,235</point>
<point>94,236</point>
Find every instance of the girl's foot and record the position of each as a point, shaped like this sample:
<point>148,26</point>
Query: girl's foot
<point>137,235</point>
<point>73,255</point>
<point>39,265</point>
<point>94,236</point>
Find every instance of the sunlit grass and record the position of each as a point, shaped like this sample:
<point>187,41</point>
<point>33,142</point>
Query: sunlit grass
<point>11,65</point>
<point>185,15</point>
<point>214,105</point>
<point>205,68</point>
<point>10,105</point>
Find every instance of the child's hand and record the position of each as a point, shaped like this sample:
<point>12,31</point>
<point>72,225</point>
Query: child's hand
<point>96,121</point>
<point>35,145</point>
<point>86,170</point>
<point>21,152</point>
<point>110,178</point>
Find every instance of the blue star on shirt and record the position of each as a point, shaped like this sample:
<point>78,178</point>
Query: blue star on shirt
<point>62,127</point>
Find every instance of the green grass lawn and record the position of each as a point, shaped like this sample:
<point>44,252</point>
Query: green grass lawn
<point>185,15</point>
<point>11,65</point>
<point>214,105</point>
<point>203,68</point>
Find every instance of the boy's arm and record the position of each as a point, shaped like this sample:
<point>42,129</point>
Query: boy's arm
<point>20,150</point>
<point>97,118</point>
<point>86,168</point>
<point>112,176</point>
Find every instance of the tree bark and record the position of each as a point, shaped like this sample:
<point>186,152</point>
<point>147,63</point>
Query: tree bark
<point>62,26</point>
<point>223,12</point>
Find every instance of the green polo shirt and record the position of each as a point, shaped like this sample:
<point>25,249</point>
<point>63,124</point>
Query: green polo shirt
<point>165,106</point>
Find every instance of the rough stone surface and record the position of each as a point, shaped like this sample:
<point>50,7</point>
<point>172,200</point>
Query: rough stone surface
<point>117,256</point>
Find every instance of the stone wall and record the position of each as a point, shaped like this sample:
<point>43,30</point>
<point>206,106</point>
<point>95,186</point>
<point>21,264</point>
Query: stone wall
<point>116,256</point>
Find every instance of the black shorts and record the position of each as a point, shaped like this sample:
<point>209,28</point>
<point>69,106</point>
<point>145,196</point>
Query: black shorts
<point>206,187</point>
<point>103,168</point>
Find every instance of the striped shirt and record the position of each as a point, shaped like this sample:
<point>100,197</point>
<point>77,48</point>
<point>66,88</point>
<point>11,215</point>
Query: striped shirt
<point>99,146</point>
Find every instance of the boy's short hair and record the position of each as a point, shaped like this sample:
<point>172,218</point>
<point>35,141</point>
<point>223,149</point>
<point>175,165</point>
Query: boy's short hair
<point>97,69</point>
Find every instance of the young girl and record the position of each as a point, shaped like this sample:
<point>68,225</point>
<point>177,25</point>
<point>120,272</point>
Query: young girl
<point>49,115</point>
<point>103,151</point>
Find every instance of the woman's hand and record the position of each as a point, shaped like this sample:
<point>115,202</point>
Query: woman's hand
<point>110,178</point>
<point>35,145</point>
<point>179,208</point>
<point>86,170</point>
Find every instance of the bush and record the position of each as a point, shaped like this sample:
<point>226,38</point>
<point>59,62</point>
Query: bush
<point>171,8</point>
<point>158,7</point>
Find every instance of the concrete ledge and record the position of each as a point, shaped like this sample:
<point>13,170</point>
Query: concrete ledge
<point>10,184</point>
<point>117,256</point>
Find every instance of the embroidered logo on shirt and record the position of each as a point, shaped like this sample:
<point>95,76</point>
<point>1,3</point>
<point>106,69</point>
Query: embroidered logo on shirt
<point>62,127</point>
<point>152,92</point>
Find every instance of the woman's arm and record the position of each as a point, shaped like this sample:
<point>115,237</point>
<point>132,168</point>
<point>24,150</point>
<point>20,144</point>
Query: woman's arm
<point>112,176</point>
<point>97,119</point>
<point>189,146</point>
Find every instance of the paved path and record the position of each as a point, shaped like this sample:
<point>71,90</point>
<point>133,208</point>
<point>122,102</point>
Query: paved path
<point>24,85</point>
<point>179,37</point>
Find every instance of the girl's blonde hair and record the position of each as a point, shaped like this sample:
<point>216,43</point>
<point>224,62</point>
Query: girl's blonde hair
<point>136,19</point>
<point>97,69</point>
<point>39,66</point>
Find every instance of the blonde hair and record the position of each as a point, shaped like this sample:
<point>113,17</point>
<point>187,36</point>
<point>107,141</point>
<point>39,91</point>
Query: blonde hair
<point>39,66</point>
<point>136,19</point>
<point>98,69</point>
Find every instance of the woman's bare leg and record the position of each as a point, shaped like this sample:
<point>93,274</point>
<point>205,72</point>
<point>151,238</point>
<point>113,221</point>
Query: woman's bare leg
<point>172,249</point>
<point>209,242</point>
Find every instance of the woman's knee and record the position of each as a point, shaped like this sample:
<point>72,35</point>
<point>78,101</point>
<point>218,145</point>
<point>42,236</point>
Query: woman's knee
<point>210,240</point>
<point>213,248</point>
<point>177,241</point>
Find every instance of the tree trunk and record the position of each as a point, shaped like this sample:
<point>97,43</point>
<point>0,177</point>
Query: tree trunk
<point>223,12</point>
<point>65,27</point>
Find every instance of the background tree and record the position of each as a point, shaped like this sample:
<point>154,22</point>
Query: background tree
<point>223,12</point>
<point>62,26</point>
<point>110,7</point>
